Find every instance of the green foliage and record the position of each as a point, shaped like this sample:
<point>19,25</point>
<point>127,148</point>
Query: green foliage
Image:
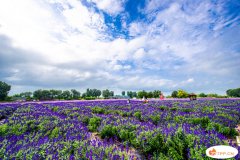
<point>107,93</point>
<point>98,110</point>
<point>204,121</point>
<point>150,94</point>
<point>233,92</point>
<point>54,133</point>
<point>202,95</point>
<point>94,123</point>
<point>55,109</point>
<point>182,94</point>
<point>4,89</point>
<point>179,119</point>
<point>208,109</point>
<point>89,98</point>
<point>109,131</point>
<point>142,94</point>
<point>85,120</point>
<point>91,93</point>
<point>177,145</point>
<point>163,108</point>
<point>175,94</point>
<point>155,119</point>
<point>75,94</point>
<point>187,110</point>
<point>173,109</point>
<point>18,129</point>
<point>214,95</point>
<point>127,135</point>
<point>138,115</point>
<point>150,143</point>
<point>3,129</point>
<point>66,95</point>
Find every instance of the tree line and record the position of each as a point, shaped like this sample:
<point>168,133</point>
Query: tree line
<point>233,92</point>
<point>53,94</point>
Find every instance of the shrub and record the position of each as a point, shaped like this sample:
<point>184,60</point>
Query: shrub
<point>3,129</point>
<point>173,109</point>
<point>152,143</point>
<point>109,131</point>
<point>138,115</point>
<point>17,129</point>
<point>204,121</point>
<point>98,110</point>
<point>54,133</point>
<point>85,120</point>
<point>94,123</point>
<point>155,119</point>
<point>163,108</point>
<point>55,109</point>
<point>187,110</point>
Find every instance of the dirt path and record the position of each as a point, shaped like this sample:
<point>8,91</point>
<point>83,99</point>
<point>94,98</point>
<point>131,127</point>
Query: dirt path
<point>2,121</point>
<point>132,153</point>
<point>238,137</point>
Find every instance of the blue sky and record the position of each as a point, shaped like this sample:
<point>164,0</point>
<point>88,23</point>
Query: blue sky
<point>120,45</point>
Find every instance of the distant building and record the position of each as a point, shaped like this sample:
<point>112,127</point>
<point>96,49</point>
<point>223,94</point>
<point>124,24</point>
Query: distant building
<point>192,96</point>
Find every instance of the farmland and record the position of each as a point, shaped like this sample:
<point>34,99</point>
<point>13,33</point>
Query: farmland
<point>115,129</point>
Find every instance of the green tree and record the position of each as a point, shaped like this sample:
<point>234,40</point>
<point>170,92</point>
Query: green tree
<point>212,95</point>
<point>4,89</point>
<point>130,94</point>
<point>106,93</point>
<point>46,95</point>
<point>134,94</point>
<point>123,93</point>
<point>202,95</point>
<point>150,94</point>
<point>233,92</point>
<point>111,93</point>
<point>66,95</point>
<point>156,93</point>
<point>75,94</point>
<point>182,94</point>
<point>174,94</point>
<point>142,94</point>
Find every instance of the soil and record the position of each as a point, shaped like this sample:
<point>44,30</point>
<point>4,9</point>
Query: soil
<point>2,121</point>
<point>131,151</point>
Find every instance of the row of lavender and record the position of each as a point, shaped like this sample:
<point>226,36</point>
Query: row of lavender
<point>156,130</point>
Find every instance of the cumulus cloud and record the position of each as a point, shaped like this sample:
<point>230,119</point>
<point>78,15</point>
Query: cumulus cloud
<point>67,44</point>
<point>112,7</point>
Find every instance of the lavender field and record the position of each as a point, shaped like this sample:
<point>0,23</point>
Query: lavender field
<point>115,129</point>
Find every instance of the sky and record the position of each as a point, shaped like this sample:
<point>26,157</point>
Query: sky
<point>121,45</point>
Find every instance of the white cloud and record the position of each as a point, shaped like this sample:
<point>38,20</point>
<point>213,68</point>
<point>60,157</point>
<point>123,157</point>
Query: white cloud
<point>112,7</point>
<point>67,43</point>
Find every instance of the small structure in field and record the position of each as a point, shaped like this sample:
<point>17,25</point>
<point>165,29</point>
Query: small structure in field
<point>161,96</point>
<point>192,96</point>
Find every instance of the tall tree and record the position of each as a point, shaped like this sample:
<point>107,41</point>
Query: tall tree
<point>37,94</point>
<point>202,95</point>
<point>123,93</point>
<point>134,94</point>
<point>66,95</point>
<point>233,92</point>
<point>174,94</point>
<point>75,94</point>
<point>182,94</point>
<point>156,93</point>
<point>130,94</point>
<point>4,89</point>
<point>142,94</point>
